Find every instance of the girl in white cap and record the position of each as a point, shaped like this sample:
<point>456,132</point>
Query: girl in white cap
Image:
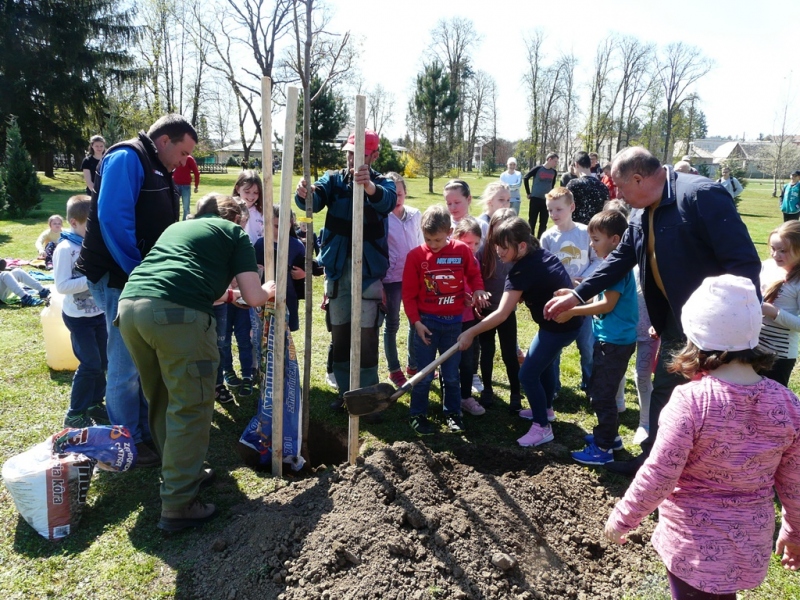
<point>726,439</point>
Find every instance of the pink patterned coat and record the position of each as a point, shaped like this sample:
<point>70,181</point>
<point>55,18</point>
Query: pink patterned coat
<point>720,450</point>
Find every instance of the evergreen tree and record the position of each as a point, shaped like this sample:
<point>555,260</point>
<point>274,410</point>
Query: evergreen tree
<point>18,175</point>
<point>329,116</point>
<point>388,160</point>
<point>54,60</point>
<point>432,112</point>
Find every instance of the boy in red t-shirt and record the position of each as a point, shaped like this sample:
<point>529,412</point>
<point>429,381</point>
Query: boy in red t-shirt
<point>433,298</point>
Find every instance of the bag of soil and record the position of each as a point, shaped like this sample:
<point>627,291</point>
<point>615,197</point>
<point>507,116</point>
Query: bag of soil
<point>255,445</point>
<point>49,490</point>
<point>49,482</point>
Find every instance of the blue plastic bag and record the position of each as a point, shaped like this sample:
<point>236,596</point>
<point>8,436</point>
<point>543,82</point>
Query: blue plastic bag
<point>112,447</point>
<point>257,435</point>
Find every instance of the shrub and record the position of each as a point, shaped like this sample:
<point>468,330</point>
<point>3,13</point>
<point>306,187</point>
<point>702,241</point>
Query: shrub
<point>413,168</point>
<point>22,192</point>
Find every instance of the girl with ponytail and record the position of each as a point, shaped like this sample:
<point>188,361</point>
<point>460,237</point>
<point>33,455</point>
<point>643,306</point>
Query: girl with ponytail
<point>780,286</point>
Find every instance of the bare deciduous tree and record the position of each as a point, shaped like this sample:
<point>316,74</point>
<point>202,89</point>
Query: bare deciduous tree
<point>477,107</point>
<point>452,42</point>
<point>681,66</point>
<point>636,80</point>
<point>782,156</point>
<point>380,107</point>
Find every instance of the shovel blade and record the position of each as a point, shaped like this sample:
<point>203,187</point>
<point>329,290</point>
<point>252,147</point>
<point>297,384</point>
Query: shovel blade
<point>370,399</point>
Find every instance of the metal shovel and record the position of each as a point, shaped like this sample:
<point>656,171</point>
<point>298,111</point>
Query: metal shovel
<point>375,398</point>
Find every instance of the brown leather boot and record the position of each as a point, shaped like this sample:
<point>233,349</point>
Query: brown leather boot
<point>193,515</point>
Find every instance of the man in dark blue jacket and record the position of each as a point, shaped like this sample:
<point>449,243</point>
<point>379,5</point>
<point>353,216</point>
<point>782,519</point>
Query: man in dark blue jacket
<point>334,191</point>
<point>686,229</point>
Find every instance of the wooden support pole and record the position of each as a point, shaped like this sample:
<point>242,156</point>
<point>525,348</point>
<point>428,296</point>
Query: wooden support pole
<point>282,279</point>
<point>356,274</point>
<point>266,174</point>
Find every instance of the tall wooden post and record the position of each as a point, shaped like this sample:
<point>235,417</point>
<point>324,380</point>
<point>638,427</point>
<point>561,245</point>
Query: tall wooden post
<point>282,279</point>
<point>356,274</point>
<point>266,174</point>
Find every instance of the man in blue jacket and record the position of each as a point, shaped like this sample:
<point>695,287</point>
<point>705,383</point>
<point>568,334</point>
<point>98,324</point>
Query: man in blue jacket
<point>133,203</point>
<point>686,229</point>
<point>334,191</point>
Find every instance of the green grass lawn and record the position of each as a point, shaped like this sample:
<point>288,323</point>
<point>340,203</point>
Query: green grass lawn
<point>117,550</point>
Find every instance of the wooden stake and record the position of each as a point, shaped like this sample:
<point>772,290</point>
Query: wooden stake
<point>266,174</point>
<point>282,279</point>
<point>356,274</point>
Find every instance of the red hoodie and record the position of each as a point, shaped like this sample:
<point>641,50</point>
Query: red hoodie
<point>433,282</point>
<point>183,175</point>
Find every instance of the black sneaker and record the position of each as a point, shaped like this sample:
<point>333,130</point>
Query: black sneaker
<point>78,421</point>
<point>99,414</point>
<point>44,294</point>
<point>28,300</point>
<point>222,394</point>
<point>487,398</point>
<point>454,423</point>
<point>246,389</point>
<point>232,380</point>
<point>421,425</point>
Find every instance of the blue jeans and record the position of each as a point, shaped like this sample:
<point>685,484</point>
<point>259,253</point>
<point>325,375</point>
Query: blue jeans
<point>89,338</point>
<point>186,195</point>
<point>394,295</point>
<point>124,398</point>
<point>585,343</point>
<point>238,324</point>
<point>443,335</point>
<point>538,374</point>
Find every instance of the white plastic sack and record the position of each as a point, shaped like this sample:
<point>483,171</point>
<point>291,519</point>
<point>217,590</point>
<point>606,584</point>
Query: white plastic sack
<point>49,490</point>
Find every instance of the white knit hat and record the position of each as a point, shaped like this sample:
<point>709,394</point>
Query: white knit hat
<point>724,313</point>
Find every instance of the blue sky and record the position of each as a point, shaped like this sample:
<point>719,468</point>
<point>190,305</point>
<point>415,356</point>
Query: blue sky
<point>754,46</point>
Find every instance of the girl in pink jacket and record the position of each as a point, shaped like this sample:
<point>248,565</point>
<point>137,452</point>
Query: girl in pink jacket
<point>727,441</point>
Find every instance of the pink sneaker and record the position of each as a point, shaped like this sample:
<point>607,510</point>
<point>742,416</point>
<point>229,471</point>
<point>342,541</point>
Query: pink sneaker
<point>471,406</point>
<point>536,436</point>
<point>528,414</point>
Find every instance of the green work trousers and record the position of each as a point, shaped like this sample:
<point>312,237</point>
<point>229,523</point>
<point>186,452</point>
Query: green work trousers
<point>175,351</point>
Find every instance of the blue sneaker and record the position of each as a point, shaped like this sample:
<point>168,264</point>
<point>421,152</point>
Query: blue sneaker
<point>617,445</point>
<point>592,455</point>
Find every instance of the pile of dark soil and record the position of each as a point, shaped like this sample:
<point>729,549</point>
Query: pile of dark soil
<point>408,523</point>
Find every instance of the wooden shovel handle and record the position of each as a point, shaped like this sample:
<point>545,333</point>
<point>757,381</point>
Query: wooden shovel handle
<point>425,372</point>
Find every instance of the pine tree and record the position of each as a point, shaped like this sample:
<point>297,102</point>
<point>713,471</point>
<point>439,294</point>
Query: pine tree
<point>433,110</point>
<point>388,160</point>
<point>18,175</point>
<point>55,61</point>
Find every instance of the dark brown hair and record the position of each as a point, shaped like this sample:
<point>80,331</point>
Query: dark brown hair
<point>247,178</point>
<point>489,262</point>
<point>610,222</point>
<point>691,360</point>
<point>510,233</point>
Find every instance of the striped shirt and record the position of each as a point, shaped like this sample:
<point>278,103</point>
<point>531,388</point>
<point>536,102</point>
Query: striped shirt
<point>782,334</point>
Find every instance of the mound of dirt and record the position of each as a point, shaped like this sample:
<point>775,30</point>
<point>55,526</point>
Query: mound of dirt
<point>407,523</point>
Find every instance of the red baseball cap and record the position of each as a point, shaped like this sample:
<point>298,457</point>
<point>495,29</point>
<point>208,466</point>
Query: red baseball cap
<point>371,142</point>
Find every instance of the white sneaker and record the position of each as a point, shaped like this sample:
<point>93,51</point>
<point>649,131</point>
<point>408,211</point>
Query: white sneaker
<point>477,384</point>
<point>330,379</point>
<point>641,434</point>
